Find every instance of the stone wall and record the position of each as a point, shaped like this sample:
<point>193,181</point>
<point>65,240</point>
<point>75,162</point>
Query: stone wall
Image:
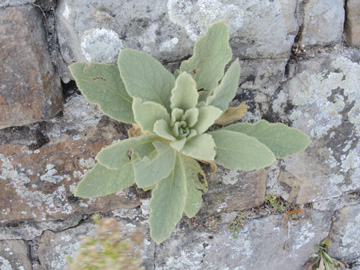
<point>300,65</point>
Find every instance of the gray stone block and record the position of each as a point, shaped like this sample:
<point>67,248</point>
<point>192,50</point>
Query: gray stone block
<point>352,23</point>
<point>29,89</point>
<point>14,254</point>
<point>323,22</point>
<point>325,96</point>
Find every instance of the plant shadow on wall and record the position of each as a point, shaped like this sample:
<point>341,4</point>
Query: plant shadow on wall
<point>171,114</point>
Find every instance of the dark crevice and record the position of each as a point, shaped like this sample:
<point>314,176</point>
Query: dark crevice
<point>69,89</point>
<point>345,21</point>
<point>41,137</point>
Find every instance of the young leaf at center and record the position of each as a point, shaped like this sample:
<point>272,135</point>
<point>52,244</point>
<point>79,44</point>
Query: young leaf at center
<point>184,96</point>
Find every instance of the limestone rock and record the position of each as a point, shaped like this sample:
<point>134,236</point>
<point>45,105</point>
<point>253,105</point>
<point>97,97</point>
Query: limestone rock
<point>247,21</point>
<point>28,230</point>
<point>168,29</point>
<point>264,75</point>
<point>232,190</point>
<point>352,23</point>
<point>29,90</point>
<point>324,91</point>
<point>323,22</point>
<point>54,247</point>
<point>290,245</point>
<point>14,254</point>
<point>9,3</point>
<point>143,26</point>
<point>345,234</point>
<point>39,174</point>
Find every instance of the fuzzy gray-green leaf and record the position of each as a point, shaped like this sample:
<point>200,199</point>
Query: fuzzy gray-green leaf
<point>235,150</point>
<point>281,139</point>
<point>149,172</point>
<point>112,156</point>
<point>211,53</point>
<point>148,112</point>
<point>207,117</point>
<point>101,84</point>
<point>226,91</point>
<point>195,182</point>
<point>101,181</point>
<point>168,202</point>
<point>145,78</point>
<point>184,96</point>
<point>200,147</point>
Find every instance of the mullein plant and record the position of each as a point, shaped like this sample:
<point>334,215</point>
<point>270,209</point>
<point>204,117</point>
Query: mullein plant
<point>173,113</point>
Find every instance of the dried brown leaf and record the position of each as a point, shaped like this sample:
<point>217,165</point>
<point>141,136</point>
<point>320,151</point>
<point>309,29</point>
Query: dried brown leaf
<point>296,211</point>
<point>231,115</point>
<point>136,131</point>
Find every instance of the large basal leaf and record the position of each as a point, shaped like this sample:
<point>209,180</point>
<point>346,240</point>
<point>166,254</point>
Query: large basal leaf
<point>201,147</point>
<point>101,181</point>
<point>184,95</point>
<point>211,53</point>
<point>112,156</point>
<point>235,150</point>
<point>101,84</point>
<point>168,202</point>
<point>149,171</point>
<point>281,139</point>
<point>145,78</point>
<point>148,112</point>
<point>226,91</point>
<point>195,183</point>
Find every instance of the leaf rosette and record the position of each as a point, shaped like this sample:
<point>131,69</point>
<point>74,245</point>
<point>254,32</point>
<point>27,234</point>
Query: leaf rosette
<point>174,112</point>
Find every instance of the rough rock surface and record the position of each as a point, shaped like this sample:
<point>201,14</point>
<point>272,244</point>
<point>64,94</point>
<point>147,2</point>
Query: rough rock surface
<point>290,245</point>
<point>9,3</point>
<point>232,190</point>
<point>39,176</point>
<point>314,88</point>
<point>169,29</point>
<point>54,247</point>
<point>346,234</point>
<point>29,89</point>
<point>352,23</point>
<point>325,94</point>
<point>14,255</point>
<point>323,22</point>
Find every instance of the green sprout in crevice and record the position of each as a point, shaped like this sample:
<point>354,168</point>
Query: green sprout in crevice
<point>323,261</point>
<point>275,202</point>
<point>172,114</point>
<point>237,224</point>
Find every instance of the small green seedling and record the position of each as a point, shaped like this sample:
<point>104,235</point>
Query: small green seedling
<point>174,112</point>
<point>323,260</point>
<point>236,225</point>
<point>275,202</point>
